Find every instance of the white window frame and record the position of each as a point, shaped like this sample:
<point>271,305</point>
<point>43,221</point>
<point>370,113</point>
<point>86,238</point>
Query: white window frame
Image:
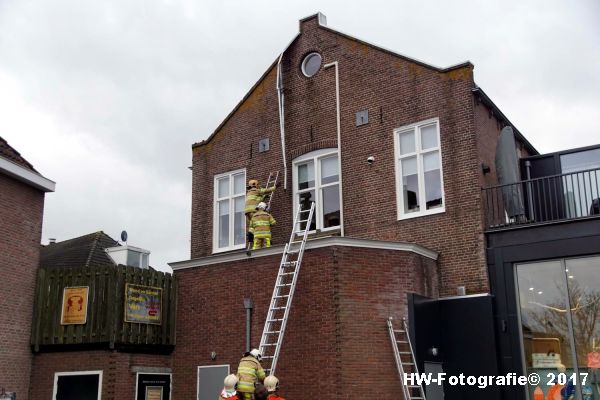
<point>137,378</point>
<point>419,154</point>
<point>71,373</point>
<point>216,199</point>
<point>316,156</point>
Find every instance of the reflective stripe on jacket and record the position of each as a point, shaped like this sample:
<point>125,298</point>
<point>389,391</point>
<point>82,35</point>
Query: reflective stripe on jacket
<point>255,196</point>
<point>249,372</point>
<point>260,224</point>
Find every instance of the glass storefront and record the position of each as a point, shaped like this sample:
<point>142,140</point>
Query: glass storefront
<point>560,324</point>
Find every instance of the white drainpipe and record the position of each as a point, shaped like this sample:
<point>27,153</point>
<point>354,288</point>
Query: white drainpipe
<point>281,118</point>
<point>339,137</point>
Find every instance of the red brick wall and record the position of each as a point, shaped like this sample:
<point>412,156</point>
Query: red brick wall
<point>21,209</point>
<point>336,336</point>
<point>118,378</point>
<point>396,92</point>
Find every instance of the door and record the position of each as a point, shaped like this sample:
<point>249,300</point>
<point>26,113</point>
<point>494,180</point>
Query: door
<point>79,385</point>
<point>210,381</point>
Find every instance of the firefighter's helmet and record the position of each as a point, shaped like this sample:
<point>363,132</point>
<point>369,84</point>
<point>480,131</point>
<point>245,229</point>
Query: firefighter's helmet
<point>261,206</point>
<point>253,183</point>
<point>256,354</point>
<point>271,383</point>
<point>230,382</point>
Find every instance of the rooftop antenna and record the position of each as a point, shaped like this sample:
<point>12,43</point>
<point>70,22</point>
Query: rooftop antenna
<point>124,237</point>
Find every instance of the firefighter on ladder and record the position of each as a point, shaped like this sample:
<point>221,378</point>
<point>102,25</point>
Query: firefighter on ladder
<point>249,372</point>
<point>260,227</point>
<point>254,195</point>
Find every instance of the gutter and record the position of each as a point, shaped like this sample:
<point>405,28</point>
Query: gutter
<point>26,176</point>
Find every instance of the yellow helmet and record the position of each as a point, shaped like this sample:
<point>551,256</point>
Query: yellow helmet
<point>271,383</point>
<point>253,183</point>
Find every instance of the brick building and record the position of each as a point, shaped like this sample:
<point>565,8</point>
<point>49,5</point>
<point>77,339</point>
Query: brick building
<point>394,152</point>
<point>22,191</point>
<point>108,355</point>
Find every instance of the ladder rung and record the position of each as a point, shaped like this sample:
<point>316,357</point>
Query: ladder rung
<point>284,285</point>
<point>275,320</point>
<point>404,352</point>
<point>267,357</point>
<point>277,308</point>
<point>271,332</point>
<point>281,297</point>
<point>270,344</point>
<point>401,341</point>
<point>407,363</point>
<point>399,331</point>
<point>287,273</point>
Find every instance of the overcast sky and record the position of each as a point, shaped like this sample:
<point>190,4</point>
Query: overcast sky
<point>106,97</point>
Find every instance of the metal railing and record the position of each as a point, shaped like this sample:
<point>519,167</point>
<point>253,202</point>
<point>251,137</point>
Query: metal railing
<point>548,199</point>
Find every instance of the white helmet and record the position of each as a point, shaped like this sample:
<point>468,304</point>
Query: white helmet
<point>271,383</point>
<point>261,206</point>
<point>256,353</point>
<point>230,382</point>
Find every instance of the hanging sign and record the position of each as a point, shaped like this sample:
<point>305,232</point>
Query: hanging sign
<point>143,304</point>
<point>74,305</point>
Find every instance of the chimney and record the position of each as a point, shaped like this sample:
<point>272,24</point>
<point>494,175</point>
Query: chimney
<point>129,255</point>
<point>51,241</point>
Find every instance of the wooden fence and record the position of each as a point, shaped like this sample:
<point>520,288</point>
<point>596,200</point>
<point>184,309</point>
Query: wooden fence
<point>105,323</point>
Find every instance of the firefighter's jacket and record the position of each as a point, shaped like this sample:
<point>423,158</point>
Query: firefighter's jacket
<point>255,196</point>
<point>232,397</point>
<point>274,397</point>
<point>249,372</point>
<point>260,224</point>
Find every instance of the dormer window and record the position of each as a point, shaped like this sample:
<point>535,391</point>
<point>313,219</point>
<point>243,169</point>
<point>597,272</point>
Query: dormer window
<point>316,178</point>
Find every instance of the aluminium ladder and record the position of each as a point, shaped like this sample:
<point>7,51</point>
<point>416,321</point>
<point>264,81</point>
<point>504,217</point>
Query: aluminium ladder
<point>271,182</point>
<point>403,348</point>
<point>281,301</point>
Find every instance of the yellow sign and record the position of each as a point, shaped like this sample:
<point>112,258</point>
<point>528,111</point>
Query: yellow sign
<point>154,393</point>
<point>143,304</point>
<point>74,305</point>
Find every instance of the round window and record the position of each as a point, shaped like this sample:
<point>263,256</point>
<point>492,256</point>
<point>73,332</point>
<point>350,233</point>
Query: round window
<point>311,64</point>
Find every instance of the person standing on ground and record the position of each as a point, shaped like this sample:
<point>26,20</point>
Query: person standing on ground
<point>229,386</point>
<point>249,372</point>
<point>272,386</point>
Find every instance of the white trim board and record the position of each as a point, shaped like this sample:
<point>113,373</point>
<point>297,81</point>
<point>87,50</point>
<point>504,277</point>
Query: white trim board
<point>57,374</point>
<point>310,244</point>
<point>26,176</point>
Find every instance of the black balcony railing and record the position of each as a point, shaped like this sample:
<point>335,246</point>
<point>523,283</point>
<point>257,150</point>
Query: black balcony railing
<point>549,199</point>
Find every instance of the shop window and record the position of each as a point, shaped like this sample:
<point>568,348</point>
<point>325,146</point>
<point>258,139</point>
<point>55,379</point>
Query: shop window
<point>316,178</point>
<point>560,321</point>
<point>79,385</point>
<point>229,224</point>
<point>420,188</point>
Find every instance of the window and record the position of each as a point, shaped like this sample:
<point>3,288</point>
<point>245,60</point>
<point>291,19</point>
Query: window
<point>559,313</point>
<point>316,178</point>
<point>420,188</point>
<point>311,64</point>
<point>79,385</point>
<point>229,230</point>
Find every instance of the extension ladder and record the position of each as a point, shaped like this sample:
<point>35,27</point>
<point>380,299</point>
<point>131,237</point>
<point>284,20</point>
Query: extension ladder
<point>271,182</point>
<point>281,301</point>
<point>403,348</point>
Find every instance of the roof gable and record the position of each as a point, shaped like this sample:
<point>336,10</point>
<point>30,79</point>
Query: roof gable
<point>319,19</point>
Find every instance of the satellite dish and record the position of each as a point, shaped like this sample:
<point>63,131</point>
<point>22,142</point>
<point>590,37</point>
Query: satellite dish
<point>124,236</point>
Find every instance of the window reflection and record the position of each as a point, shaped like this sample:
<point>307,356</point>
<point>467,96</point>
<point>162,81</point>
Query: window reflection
<point>560,317</point>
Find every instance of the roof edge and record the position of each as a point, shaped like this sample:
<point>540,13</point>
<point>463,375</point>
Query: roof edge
<point>463,64</point>
<point>487,101</point>
<point>317,243</point>
<point>248,93</point>
<point>31,178</point>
